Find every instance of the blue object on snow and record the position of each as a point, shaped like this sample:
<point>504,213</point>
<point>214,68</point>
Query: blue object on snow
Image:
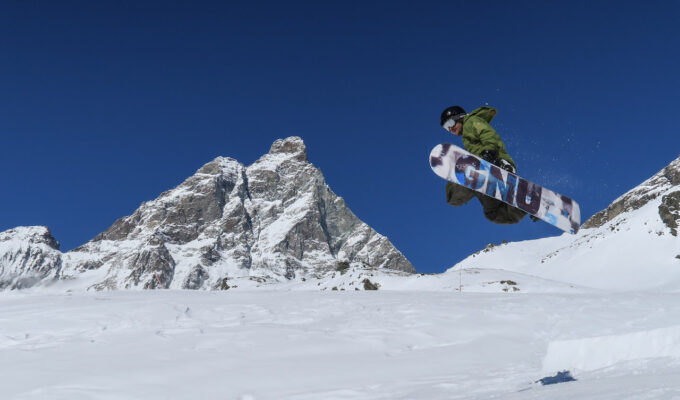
<point>564,376</point>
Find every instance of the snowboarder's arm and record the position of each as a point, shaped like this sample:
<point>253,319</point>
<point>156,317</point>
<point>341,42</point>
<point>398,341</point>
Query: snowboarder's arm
<point>488,136</point>
<point>481,137</point>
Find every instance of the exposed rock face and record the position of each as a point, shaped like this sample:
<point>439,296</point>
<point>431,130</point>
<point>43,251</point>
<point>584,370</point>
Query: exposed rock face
<point>669,211</point>
<point>639,196</point>
<point>274,220</point>
<point>28,255</point>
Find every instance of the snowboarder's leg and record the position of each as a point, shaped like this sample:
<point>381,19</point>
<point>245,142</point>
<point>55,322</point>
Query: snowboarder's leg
<point>457,195</point>
<point>499,212</point>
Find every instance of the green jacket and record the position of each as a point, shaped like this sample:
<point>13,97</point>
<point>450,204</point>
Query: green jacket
<point>478,135</point>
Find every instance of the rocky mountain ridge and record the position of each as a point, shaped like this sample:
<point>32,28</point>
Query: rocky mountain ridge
<point>652,188</point>
<point>275,220</point>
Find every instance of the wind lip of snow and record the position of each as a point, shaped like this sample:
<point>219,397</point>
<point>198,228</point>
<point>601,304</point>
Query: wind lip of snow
<point>592,353</point>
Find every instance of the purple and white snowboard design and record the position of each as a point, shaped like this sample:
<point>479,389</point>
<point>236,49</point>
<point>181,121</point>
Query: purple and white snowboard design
<point>458,166</point>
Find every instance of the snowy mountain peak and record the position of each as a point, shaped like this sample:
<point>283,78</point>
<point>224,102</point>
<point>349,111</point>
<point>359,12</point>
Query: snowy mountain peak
<point>30,235</point>
<point>293,146</point>
<point>222,166</point>
<point>226,226</point>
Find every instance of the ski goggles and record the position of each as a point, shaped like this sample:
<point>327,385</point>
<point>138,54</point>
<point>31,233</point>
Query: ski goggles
<point>449,124</point>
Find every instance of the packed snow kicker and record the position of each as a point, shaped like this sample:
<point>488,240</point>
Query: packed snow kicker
<point>297,309</point>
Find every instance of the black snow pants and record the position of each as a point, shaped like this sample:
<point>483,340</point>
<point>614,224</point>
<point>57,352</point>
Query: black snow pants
<point>494,210</point>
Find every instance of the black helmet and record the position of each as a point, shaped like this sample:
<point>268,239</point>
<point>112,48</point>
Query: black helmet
<point>455,112</point>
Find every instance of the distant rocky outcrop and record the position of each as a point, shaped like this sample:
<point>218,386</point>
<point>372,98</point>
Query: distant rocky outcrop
<point>28,255</point>
<point>272,221</point>
<point>669,211</point>
<point>639,196</point>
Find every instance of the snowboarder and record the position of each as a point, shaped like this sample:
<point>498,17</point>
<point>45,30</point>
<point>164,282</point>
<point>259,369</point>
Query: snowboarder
<point>480,139</point>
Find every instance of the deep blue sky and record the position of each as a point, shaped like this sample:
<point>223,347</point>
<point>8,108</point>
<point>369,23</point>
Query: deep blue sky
<point>103,107</point>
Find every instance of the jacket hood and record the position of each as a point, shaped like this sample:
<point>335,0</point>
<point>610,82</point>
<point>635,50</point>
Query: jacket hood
<point>486,113</point>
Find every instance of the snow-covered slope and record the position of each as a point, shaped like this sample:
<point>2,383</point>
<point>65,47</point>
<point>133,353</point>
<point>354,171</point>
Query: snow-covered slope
<point>632,245</point>
<point>259,345</point>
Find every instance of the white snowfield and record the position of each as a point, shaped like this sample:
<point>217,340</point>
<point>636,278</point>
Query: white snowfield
<point>261,344</point>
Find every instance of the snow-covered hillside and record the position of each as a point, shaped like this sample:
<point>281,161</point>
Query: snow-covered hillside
<point>255,345</point>
<point>630,246</point>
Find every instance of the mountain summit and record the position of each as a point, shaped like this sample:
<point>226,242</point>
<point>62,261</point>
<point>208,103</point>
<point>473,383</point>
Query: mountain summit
<point>275,220</point>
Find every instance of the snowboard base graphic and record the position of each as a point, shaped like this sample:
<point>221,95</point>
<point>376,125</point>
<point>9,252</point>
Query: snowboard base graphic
<point>458,166</point>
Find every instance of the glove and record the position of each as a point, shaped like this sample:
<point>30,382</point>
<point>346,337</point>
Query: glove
<point>505,164</point>
<point>490,156</point>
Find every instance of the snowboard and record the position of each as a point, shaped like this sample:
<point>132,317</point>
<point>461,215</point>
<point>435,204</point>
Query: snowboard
<point>459,166</point>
